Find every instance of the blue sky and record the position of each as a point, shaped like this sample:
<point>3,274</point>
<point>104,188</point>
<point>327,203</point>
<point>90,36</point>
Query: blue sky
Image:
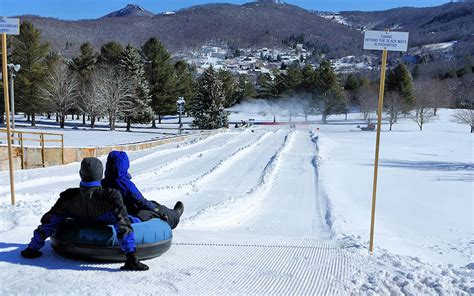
<point>87,9</point>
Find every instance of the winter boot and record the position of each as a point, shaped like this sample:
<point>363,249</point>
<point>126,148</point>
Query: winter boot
<point>179,208</point>
<point>133,264</point>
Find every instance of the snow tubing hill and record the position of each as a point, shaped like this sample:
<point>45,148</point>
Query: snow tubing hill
<point>99,242</point>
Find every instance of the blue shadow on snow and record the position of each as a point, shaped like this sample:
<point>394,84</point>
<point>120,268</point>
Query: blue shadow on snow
<point>10,253</point>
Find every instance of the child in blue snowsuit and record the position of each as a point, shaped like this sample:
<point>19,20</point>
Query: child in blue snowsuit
<point>117,177</point>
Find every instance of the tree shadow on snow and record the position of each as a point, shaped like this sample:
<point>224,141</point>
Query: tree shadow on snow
<point>457,177</point>
<point>10,253</point>
<point>466,167</point>
<point>428,165</point>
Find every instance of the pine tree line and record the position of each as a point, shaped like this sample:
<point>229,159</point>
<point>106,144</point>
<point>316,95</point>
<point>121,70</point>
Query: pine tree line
<point>119,83</point>
<point>321,85</point>
<point>142,85</point>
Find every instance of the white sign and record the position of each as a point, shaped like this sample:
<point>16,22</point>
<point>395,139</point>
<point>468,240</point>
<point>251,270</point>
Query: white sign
<point>10,26</point>
<point>391,41</point>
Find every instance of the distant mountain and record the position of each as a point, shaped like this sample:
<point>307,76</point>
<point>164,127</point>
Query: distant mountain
<point>448,22</point>
<point>130,10</point>
<point>270,1</point>
<point>262,23</point>
<point>255,24</point>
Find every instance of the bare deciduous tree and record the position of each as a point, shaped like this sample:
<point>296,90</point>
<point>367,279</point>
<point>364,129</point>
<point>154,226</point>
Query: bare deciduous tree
<point>91,101</point>
<point>393,106</point>
<point>464,92</point>
<point>442,94</point>
<point>368,99</point>
<point>436,92</point>
<point>464,116</point>
<point>60,90</point>
<point>422,112</point>
<point>114,89</point>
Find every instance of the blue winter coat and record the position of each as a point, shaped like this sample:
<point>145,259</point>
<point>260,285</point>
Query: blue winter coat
<point>117,177</point>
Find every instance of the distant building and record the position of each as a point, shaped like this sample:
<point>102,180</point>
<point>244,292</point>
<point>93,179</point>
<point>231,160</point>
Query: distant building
<point>219,55</point>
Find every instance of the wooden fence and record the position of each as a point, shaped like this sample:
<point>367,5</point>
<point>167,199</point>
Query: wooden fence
<point>36,137</point>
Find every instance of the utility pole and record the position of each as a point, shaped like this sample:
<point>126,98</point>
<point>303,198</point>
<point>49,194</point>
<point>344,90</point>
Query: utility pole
<point>180,104</point>
<point>13,69</point>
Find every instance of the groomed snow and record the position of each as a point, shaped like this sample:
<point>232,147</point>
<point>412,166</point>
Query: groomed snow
<point>78,135</point>
<point>274,210</point>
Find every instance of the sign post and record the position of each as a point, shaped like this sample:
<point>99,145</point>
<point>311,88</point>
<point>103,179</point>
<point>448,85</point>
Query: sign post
<point>9,26</point>
<point>385,41</point>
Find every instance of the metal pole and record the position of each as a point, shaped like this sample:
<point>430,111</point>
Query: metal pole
<point>12,96</point>
<point>42,149</point>
<point>180,123</point>
<point>62,148</point>
<point>22,151</point>
<point>377,146</point>
<point>7,109</point>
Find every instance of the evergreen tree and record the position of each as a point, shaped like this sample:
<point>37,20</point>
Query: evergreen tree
<point>208,108</point>
<point>246,89</point>
<point>280,83</point>
<point>308,82</point>
<point>159,73</point>
<point>84,64</point>
<point>328,95</point>
<point>110,53</point>
<point>399,79</point>
<point>30,53</point>
<point>131,65</point>
<point>265,85</point>
<point>352,85</point>
<point>52,60</point>
<point>229,87</point>
<point>294,78</point>
<point>185,85</point>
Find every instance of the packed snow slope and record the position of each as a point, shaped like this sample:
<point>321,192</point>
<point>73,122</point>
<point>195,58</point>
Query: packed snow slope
<point>77,134</point>
<point>273,210</point>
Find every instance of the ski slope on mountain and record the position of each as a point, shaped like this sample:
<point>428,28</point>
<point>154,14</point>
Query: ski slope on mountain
<point>270,210</point>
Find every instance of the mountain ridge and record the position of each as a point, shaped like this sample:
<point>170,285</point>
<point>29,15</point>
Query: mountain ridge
<point>259,24</point>
<point>130,10</point>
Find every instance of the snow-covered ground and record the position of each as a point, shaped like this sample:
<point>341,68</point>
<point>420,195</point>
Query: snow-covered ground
<point>78,135</point>
<point>425,188</point>
<point>336,18</point>
<point>351,64</point>
<point>275,210</point>
<point>434,47</point>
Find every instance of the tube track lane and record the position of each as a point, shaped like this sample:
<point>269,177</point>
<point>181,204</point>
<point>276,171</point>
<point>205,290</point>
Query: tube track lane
<point>286,204</point>
<point>231,211</point>
<point>237,176</point>
<point>204,163</point>
<point>152,165</point>
<point>291,206</point>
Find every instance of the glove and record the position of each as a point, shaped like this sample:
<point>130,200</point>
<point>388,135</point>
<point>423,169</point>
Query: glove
<point>132,263</point>
<point>30,253</point>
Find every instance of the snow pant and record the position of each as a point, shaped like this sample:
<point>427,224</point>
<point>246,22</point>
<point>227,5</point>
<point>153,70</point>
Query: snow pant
<point>162,212</point>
